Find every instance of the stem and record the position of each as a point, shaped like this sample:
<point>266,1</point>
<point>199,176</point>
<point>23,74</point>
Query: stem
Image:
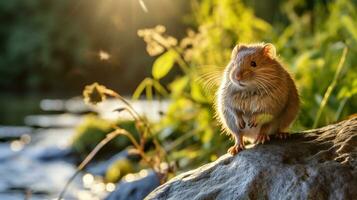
<point>131,110</point>
<point>116,95</point>
<point>138,147</point>
<point>131,138</point>
<point>130,113</point>
<point>331,87</point>
<point>143,132</point>
<point>182,63</point>
<point>90,156</point>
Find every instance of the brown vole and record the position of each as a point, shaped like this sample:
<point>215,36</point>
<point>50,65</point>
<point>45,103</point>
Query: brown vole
<point>257,97</point>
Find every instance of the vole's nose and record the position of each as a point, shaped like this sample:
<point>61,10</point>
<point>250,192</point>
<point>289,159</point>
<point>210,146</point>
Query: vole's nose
<point>239,76</point>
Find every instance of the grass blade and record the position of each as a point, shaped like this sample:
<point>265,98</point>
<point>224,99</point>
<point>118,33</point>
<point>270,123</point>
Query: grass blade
<point>331,87</point>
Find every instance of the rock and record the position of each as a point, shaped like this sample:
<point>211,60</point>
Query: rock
<point>315,164</point>
<point>136,187</point>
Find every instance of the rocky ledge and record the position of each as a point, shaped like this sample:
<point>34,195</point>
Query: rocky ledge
<point>315,164</point>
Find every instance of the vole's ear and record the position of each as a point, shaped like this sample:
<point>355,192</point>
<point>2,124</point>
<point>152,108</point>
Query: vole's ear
<point>269,50</point>
<point>236,49</point>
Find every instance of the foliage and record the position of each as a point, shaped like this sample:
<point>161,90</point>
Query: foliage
<point>13,114</point>
<point>155,159</point>
<point>314,41</point>
<point>54,46</point>
<point>317,51</point>
<point>119,169</point>
<point>309,45</point>
<point>90,133</point>
<point>93,129</point>
<point>34,49</point>
<point>189,127</point>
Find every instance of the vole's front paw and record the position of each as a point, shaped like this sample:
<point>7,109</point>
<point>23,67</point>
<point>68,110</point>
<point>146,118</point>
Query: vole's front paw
<point>252,122</point>
<point>235,149</point>
<point>241,123</point>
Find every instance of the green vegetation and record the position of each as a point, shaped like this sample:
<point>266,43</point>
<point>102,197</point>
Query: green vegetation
<point>316,41</point>
<point>310,43</point>
<point>53,47</point>
<point>119,169</point>
<point>12,113</point>
<point>94,129</point>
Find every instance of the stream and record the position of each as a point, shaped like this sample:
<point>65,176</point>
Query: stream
<point>36,160</point>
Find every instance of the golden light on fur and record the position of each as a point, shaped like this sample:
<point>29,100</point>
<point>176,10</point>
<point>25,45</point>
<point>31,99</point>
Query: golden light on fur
<point>257,97</point>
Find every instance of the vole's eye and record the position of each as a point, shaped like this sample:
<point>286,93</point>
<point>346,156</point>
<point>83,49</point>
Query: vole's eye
<point>253,64</point>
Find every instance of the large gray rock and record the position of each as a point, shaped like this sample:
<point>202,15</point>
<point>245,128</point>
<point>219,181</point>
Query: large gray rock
<point>316,164</point>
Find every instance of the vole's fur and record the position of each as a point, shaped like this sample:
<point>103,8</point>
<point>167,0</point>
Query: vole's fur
<point>255,83</point>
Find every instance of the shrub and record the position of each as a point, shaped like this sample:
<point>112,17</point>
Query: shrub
<point>94,129</point>
<point>310,46</point>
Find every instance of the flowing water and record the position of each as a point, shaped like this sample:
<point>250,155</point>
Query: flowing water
<point>35,163</point>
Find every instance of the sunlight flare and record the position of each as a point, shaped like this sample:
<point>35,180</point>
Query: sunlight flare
<point>103,55</point>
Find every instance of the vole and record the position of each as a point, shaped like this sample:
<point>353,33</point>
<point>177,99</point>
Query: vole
<point>257,97</point>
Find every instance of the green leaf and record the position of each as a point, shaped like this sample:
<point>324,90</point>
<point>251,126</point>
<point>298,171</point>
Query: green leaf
<point>178,86</point>
<point>350,26</point>
<point>348,91</point>
<point>159,88</point>
<point>163,64</point>
<point>149,94</point>
<point>140,89</point>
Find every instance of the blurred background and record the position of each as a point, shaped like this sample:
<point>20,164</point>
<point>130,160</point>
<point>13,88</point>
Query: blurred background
<point>52,49</point>
<point>166,58</point>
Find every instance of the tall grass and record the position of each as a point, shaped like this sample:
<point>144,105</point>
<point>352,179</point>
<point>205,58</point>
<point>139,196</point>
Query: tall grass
<point>331,87</point>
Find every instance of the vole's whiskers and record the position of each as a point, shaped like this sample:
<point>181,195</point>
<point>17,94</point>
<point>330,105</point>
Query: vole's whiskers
<point>267,75</point>
<point>210,76</point>
<point>262,86</point>
<point>267,83</point>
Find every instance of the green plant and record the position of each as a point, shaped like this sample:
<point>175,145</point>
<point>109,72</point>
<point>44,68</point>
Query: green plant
<point>155,159</point>
<point>312,43</point>
<point>308,44</point>
<point>119,169</point>
<point>90,133</point>
<point>93,129</point>
<point>188,128</point>
<point>331,87</point>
